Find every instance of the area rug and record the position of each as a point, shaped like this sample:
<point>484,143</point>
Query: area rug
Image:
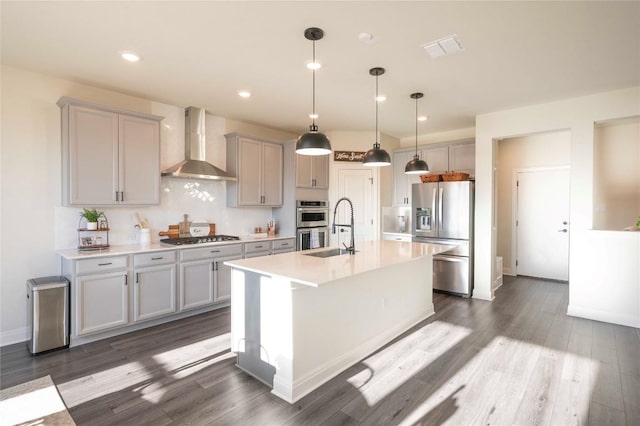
<point>33,403</point>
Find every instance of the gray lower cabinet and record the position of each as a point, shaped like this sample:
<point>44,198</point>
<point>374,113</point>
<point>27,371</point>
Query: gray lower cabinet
<point>154,286</point>
<point>100,294</point>
<point>199,274</point>
<point>283,246</point>
<point>266,248</point>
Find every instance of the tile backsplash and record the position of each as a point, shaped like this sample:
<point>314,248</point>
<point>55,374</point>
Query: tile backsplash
<point>200,199</point>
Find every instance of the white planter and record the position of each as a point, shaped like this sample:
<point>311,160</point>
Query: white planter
<point>92,226</point>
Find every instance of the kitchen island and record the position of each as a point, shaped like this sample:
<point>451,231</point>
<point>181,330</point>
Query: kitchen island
<point>298,320</point>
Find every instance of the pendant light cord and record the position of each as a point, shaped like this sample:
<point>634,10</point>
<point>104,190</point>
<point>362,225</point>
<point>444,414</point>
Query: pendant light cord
<point>416,156</point>
<point>377,145</point>
<point>313,97</point>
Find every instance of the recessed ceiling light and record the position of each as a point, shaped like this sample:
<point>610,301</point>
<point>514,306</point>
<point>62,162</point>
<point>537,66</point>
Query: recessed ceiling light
<point>244,93</point>
<point>130,56</point>
<point>423,118</point>
<point>381,98</point>
<point>313,116</point>
<point>314,65</point>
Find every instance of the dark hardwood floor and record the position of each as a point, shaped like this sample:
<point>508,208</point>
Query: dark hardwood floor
<point>517,360</point>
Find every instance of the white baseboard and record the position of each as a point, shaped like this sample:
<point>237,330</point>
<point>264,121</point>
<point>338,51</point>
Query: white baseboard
<point>10,337</point>
<point>507,271</point>
<point>604,316</point>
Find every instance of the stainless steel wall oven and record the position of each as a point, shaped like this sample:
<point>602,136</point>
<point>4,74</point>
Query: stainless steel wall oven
<point>312,221</point>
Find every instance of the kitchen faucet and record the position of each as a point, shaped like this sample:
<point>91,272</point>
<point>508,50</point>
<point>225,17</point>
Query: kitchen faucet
<point>352,248</point>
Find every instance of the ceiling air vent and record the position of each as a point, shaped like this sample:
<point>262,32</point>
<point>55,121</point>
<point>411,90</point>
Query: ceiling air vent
<point>445,46</point>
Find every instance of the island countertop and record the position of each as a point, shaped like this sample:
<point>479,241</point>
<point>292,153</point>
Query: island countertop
<point>315,271</point>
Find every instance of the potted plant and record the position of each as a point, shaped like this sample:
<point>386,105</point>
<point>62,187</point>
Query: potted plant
<point>92,216</point>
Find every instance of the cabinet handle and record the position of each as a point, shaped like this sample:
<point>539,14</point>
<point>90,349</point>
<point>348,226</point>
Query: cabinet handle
<point>157,258</point>
<point>125,280</point>
<point>105,264</point>
<point>137,277</point>
<point>214,266</point>
<point>214,251</point>
<point>258,246</point>
<point>117,196</point>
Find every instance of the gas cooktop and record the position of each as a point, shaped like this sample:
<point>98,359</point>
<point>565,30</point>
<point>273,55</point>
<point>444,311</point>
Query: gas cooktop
<point>199,240</point>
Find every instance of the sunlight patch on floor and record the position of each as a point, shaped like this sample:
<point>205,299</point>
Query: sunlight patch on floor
<point>418,349</point>
<point>506,370</point>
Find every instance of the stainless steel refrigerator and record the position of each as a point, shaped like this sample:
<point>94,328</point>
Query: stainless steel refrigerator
<point>442,213</point>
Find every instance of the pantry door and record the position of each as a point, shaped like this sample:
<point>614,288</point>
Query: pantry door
<point>542,223</point>
<point>359,184</point>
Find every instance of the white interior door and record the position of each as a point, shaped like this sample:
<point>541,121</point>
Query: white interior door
<point>357,184</point>
<point>542,224</point>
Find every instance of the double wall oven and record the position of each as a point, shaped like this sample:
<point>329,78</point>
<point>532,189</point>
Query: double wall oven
<point>312,224</point>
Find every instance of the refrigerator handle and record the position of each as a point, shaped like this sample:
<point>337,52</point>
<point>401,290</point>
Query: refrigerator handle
<point>433,205</point>
<point>440,208</point>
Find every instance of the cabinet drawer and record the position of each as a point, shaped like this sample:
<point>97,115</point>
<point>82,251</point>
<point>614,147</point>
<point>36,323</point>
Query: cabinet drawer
<point>210,252</point>
<point>155,258</point>
<point>100,264</point>
<point>284,244</point>
<point>257,247</point>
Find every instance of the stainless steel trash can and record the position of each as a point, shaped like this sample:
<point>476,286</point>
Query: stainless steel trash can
<point>48,314</point>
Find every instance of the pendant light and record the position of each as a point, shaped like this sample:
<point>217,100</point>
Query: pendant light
<point>376,157</point>
<point>416,166</point>
<point>313,142</point>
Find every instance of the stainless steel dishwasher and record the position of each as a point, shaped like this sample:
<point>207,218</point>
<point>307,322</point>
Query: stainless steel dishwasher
<point>47,314</point>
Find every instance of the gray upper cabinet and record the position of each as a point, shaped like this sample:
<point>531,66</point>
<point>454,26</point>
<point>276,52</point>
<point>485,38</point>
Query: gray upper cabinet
<point>258,166</point>
<point>440,158</point>
<point>401,181</point>
<point>109,156</point>
<point>312,171</point>
<point>437,159</point>
<point>462,158</point>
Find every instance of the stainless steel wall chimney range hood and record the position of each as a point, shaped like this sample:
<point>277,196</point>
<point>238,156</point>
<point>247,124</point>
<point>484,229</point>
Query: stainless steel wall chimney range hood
<point>195,166</point>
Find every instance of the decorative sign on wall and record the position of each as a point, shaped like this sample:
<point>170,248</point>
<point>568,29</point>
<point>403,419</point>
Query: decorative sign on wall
<point>355,156</point>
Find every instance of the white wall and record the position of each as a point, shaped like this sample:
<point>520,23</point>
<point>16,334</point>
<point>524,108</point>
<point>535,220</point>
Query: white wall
<point>448,136</point>
<point>363,141</point>
<point>33,223</point>
<point>539,150</point>
<point>604,267</point>
<point>616,188</point>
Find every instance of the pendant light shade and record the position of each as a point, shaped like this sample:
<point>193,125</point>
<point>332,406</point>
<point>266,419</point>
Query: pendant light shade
<point>416,166</point>
<point>376,157</point>
<point>313,142</point>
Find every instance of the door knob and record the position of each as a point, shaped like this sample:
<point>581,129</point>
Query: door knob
<point>565,222</point>
<point>562,230</point>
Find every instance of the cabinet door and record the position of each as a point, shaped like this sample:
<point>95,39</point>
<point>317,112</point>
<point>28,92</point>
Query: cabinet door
<point>223,278</point>
<point>401,181</point>
<point>139,171</point>
<point>93,156</point>
<point>304,172</point>
<point>249,172</point>
<point>196,284</point>
<point>320,171</point>
<point>462,158</point>
<point>101,302</point>
<point>272,175</point>
<point>437,159</point>
<point>154,292</point>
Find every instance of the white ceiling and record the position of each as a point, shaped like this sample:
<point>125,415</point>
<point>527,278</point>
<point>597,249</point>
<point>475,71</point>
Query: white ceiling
<point>202,53</point>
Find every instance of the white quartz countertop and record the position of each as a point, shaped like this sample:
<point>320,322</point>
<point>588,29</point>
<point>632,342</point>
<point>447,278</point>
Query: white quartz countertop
<point>315,271</point>
<point>118,250</point>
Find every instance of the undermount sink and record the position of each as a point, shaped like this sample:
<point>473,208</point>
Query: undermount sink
<point>328,253</point>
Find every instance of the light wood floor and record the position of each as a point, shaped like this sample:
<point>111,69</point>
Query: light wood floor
<point>518,360</point>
